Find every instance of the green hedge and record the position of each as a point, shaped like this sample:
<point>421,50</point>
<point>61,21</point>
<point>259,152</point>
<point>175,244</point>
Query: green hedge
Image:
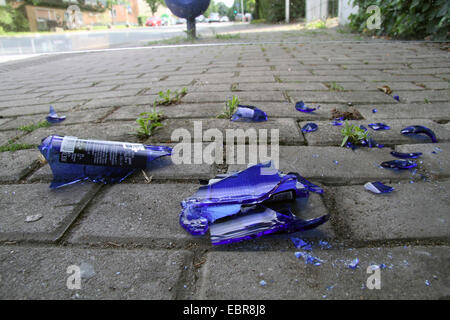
<point>407,19</point>
<point>13,20</point>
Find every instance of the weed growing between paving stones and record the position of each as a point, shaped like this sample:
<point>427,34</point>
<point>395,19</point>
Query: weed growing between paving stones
<point>230,108</point>
<point>166,98</point>
<point>353,134</point>
<point>33,126</point>
<point>148,122</point>
<point>11,146</point>
<point>335,87</point>
<point>227,36</point>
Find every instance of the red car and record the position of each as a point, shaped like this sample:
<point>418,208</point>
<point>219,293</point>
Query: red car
<point>153,22</point>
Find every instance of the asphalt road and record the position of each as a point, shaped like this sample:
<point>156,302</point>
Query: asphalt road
<point>101,39</point>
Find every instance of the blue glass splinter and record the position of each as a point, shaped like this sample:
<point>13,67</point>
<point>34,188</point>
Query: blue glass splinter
<point>249,114</point>
<point>300,106</point>
<point>73,160</point>
<point>310,127</point>
<point>379,126</point>
<point>53,117</point>
<point>378,187</point>
<point>401,155</point>
<point>413,130</point>
<point>233,207</point>
<point>399,164</point>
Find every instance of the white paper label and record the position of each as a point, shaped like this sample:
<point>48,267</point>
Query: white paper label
<point>68,144</point>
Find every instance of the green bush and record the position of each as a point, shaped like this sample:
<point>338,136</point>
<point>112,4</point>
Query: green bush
<point>13,19</point>
<point>407,19</point>
<point>274,10</point>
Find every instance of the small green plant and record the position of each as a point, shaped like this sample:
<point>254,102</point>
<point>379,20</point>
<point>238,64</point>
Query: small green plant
<point>227,36</point>
<point>11,146</point>
<point>33,126</point>
<point>353,134</point>
<point>230,108</point>
<point>148,122</point>
<point>335,87</point>
<point>317,25</point>
<point>167,98</point>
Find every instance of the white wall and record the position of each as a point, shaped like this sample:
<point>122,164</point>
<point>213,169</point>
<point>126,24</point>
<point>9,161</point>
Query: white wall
<point>2,2</point>
<point>345,9</point>
<point>316,9</point>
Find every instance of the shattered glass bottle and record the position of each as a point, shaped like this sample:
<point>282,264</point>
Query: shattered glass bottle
<point>73,160</point>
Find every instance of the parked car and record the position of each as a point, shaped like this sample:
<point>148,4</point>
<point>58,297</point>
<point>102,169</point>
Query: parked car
<point>153,22</point>
<point>214,17</point>
<point>238,17</point>
<point>200,18</point>
<point>224,19</point>
<point>180,21</point>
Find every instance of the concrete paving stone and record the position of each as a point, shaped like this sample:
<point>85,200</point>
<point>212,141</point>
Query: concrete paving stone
<point>443,85</point>
<point>372,86</point>
<point>208,88</point>
<point>341,97</point>
<point>433,111</point>
<point>109,102</point>
<point>375,66</point>
<point>242,78</point>
<point>3,121</point>
<point>395,78</point>
<point>58,207</point>
<point>424,96</point>
<point>420,71</point>
<point>38,109</point>
<point>71,118</point>
<point>84,91</point>
<point>351,72</point>
<point>288,131</point>
<point>330,165</point>
<point>411,211</point>
<point>43,273</point>
<point>203,97</point>
<point>135,212</point>
<point>280,86</point>
<point>435,159</point>
<point>18,96</point>
<point>66,86</point>
<point>337,78</point>
<point>14,165</point>
<point>287,277</point>
<point>331,135</point>
<point>120,131</point>
<point>100,95</point>
<point>29,102</point>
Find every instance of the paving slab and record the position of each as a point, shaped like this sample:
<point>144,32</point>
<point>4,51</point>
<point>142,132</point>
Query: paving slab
<point>330,165</point>
<point>289,133</point>
<point>58,207</point>
<point>5,136</point>
<point>341,97</point>
<point>424,96</point>
<point>222,97</point>
<point>120,131</point>
<point>42,273</point>
<point>15,165</point>
<point>38,109</point>
<point>137,213</point>
<point>435,158</point>
<point>328,134</point>
<point>432,111</point>
<point>237,275</point>
<point>411,211</point>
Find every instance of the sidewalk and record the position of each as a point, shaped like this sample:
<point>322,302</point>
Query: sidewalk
<point>127,238</point>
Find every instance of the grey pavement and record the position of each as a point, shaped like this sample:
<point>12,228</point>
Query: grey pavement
<point>126,238</point>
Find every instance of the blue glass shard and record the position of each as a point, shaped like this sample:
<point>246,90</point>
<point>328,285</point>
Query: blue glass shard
<point>240,195</point>
<point>374,110</point>
<point>262,283</point>
<point>337,123</point>
<point>307,184</point>
<point>310,127</point>
<point>413,130</point>
<point>299,254</point>
<point>249,114</point>
<point>363,127</point>
<point>348,144</point>
<point>378,187</point>
<point>72,160</point>
<point>324,244</point>
<point>399,164</point>
<point>397,98</point>
<point>300,244</point>
<point>300,106</point>
<point>379,145</point>
<point>309,259</point>
<point>379,126</point>
<point>401,155</point>
<point>52,117</point>
<point>354,264</point>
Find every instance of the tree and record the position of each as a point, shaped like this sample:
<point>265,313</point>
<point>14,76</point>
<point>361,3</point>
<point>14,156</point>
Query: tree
<point>154,4</point>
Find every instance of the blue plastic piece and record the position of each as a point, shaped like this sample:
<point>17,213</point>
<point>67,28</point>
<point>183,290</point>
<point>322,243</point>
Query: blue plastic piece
<point>188,9</point>
<point>413,130</point>
<point>401,155</point>
<point>378,187</point>
<point>73,160</point>
<point>354,264</point>
<point>399,164</point>
<point>300,106</point>
<point>310,127</point>
<point>53,117</point>
<point>379,126</point>
<point>242,196</point>
<point>249,114</point>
